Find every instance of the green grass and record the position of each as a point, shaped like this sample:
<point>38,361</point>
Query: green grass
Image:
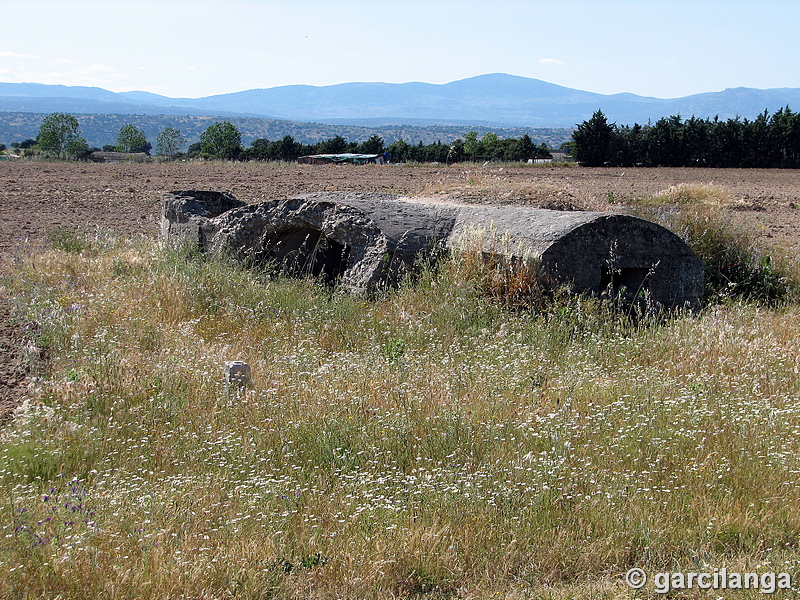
<point>434,442</point>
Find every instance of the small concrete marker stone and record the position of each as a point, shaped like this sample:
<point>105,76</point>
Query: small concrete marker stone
<point>237,374</point>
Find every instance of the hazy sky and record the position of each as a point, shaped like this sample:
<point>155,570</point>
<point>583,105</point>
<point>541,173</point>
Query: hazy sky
<point>663,48</point>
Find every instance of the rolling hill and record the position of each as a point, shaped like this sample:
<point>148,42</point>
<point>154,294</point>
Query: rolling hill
<point>493,100</point>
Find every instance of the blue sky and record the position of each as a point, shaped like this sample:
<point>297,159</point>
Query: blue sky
<point>198,48</point>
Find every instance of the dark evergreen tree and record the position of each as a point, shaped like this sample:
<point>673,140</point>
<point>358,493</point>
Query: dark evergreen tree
<point>592,141</point>
<point>785,128</point>
<point>260,149</point>
<point>374,145</point>
<point>335,145</point>
<point>523,149</point>
<point>625,144</point>
<point>400,151</point>
<point>697,138</point>
<point>542,151</point>
<point>289,149</point>
<point>728,143</point>
<point>193,151</point>
<point>456,151</point>
<point>664,143</point>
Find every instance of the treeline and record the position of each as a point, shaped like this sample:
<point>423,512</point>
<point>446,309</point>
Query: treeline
<point>768,141</point>
<point>60,137</point>
<point>471,148</point>
<point>101,129</point>
<point>288,148</point>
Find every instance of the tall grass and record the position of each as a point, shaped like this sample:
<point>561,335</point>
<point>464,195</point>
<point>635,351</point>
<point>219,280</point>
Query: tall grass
<point>434,442</point>
<point>735,266</point>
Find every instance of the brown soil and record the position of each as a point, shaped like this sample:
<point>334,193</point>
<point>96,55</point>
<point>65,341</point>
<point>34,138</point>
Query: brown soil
<point>12,373</point>
<point>39,198</point>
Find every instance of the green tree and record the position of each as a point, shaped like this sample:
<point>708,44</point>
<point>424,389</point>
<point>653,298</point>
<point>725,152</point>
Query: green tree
<point>456,151</point>
<point>59,135</point>
<point>335,145</point>
<point>728,142</point>
<point>523,149</point>
<point>132,139</point>
<point>472,145</point>
<point>696,135</point>
<point>374,145</point>
<point>261,149</point>
<point>785,129</point>
<point>542,151</point>
<point>400,151</point>
<point>169,142</point>
<point>221,140</point>
<point>436,152</point>
<point>288,148</point>
<point>193,151</point>
<point>665,143</point>
<point>76,147</point>
<point>592,141</point>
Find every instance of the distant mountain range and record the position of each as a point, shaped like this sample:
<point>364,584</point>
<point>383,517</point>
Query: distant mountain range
<point>486,100</point>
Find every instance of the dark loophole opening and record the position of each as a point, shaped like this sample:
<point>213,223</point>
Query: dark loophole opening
<point>308,253</point>
<point>633,279</point>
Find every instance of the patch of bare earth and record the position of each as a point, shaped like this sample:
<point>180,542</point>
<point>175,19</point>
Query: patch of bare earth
<point>12,369</point>
<point>40,197</point>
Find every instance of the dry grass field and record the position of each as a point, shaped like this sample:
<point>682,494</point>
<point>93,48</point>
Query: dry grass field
<point>437,441</point>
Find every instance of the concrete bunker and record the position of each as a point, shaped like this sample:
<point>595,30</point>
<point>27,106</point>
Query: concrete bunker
<point>307,252</point>
<point>365,240</point>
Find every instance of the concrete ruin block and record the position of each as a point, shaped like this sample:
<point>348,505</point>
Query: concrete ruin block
<point>185,212</point>
<point>595,252</point>
<point>365,240</point>
<point>237,374</point>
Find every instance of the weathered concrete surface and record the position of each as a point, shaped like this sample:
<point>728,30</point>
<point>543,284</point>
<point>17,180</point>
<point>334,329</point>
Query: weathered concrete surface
<point>593,251</point>
<point>187,211</point>
<point>367,240</point>
<point>364,239</point>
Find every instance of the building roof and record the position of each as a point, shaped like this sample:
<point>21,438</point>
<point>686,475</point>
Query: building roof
<point>340,158</point>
